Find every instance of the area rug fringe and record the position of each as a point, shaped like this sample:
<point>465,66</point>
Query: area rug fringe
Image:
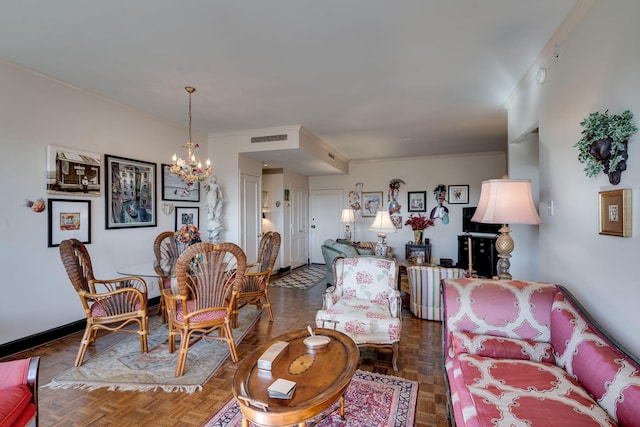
<point>91,386</point>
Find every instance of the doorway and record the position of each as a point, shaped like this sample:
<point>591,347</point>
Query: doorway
<point>326,206</point>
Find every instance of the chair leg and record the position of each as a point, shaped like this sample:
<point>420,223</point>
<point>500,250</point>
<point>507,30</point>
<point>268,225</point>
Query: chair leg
<point>84,343</point>
<point>182,354</point>
<point>230,341</point>
<point>144,328</point>
<point>267,304</point>
<point>234,314</point>
<point>394,360</point>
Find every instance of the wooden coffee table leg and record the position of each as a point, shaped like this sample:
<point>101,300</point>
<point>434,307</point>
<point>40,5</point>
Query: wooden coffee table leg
<point>245,421</point>
<point>342,406</point>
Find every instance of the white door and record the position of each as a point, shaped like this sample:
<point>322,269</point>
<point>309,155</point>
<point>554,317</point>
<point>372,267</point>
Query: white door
<point>299,226</point>
<point>250,215</point>
<point>326,206</point>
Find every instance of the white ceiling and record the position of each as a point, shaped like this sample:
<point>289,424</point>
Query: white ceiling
<point>372,78</point>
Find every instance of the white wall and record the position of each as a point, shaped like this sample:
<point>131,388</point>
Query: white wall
<point>36,111</point>
<point>597,70</point>
<point>420,174</point>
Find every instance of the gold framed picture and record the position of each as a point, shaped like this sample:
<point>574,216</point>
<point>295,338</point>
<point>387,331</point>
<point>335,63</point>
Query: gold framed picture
<point>615,212</point>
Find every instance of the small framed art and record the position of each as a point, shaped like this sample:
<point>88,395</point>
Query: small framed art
<point>187,215</point>
<point>615,212</point>
<point>69,219</point>
<point>417,201</point>
<point>371,203</point>
<point>73,172</point>
<point>458,194</point>
<point>175,189</point>
<point>130,193</point>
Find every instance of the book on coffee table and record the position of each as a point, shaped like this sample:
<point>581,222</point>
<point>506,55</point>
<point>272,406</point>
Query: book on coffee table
<point>281,389</point>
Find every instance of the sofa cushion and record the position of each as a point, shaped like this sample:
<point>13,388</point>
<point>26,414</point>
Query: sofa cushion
<point>13,401</point>
<point>589,357</point>
<point>512,392</point>
<point>347,250</point>
<point>502,348</point>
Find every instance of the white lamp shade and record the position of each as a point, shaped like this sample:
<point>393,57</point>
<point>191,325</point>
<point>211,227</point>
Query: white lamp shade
<point>506,201</point>
<point>347,216</point>
<point>383,223</point>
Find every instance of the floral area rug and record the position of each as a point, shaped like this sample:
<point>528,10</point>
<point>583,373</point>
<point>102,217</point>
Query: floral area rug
<point>371,400</point>
<point>301,278</point>
<point>124,367</point>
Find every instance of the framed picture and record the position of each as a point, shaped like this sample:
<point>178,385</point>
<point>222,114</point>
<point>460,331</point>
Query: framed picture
<point>73,172</point>
<point>417,201</point>
<point>458,194</point>
<point>174,188</point>
<point>187,215</point>
<point>130,196</point>
<point>615,212</point>
<point>397,221</point>
<point>371,203</point>
<point>69,219</point>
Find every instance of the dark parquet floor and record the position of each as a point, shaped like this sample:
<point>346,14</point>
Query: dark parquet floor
<point>420,360</point>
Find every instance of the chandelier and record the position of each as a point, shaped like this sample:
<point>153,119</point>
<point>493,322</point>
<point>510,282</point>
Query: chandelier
<point>190,170</point>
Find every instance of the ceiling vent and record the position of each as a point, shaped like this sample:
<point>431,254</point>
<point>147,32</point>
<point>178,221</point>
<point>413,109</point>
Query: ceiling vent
<point>269,138</point>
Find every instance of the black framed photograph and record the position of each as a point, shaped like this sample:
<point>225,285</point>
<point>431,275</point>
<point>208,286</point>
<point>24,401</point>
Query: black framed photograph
<point>187,215</point>
<point>458,194</point>
<point>175,189</point>
<point>72,172</point>
<point>69,219</point>
<point>417,201</point>
<point>130,196</point>
<point>371,203</point>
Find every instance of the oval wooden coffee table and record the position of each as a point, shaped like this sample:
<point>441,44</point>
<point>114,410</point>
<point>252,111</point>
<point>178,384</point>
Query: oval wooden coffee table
<point>321,377</point>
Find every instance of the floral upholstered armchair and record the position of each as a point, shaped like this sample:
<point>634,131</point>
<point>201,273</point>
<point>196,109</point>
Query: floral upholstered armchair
<point>364,303</point>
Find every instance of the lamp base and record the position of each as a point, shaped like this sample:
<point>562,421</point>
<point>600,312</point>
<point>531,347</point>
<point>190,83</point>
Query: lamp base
<point>504,246</point>
<point>347,232</point>
<point>381,245</point>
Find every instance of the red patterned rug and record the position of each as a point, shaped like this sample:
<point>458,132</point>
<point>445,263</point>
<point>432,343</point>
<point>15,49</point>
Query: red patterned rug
<point>370,400</point>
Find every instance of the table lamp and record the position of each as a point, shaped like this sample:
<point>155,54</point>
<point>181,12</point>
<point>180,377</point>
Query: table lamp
<point>506,201</point>
<point>347,218</point>
<point>382,224</point>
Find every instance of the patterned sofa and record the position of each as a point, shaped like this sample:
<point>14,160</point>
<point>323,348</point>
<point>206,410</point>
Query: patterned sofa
<point>527,354</point>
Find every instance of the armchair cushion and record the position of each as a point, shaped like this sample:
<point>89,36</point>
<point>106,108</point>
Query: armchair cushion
<point>13,401</point>
<point>366,320</point>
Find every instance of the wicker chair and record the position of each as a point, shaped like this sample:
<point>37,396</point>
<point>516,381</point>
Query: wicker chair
<point>256,287</point>
<point>166,252</point>
<point>208,278</point>
<point>109,305</point>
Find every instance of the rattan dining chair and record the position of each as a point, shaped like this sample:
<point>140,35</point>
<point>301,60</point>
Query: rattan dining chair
<point>256,288</point>
<point>209,276</point>
<point>166,253</point>
<point>110,305</point>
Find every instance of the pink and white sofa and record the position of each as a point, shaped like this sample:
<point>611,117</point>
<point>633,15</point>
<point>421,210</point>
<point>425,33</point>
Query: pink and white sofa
<point>365,302</point>
<point>527,354</point>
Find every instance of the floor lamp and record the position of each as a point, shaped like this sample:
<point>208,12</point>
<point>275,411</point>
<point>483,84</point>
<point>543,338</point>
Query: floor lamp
<point>506,201</point>
<point>383,225</point>
<point>347,218</point>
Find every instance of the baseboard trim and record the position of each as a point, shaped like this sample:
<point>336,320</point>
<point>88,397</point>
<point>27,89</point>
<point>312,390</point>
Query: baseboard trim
<point>44,337</point>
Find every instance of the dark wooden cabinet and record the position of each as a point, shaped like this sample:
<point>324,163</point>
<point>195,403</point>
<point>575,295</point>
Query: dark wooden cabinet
<point>483,252</point>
